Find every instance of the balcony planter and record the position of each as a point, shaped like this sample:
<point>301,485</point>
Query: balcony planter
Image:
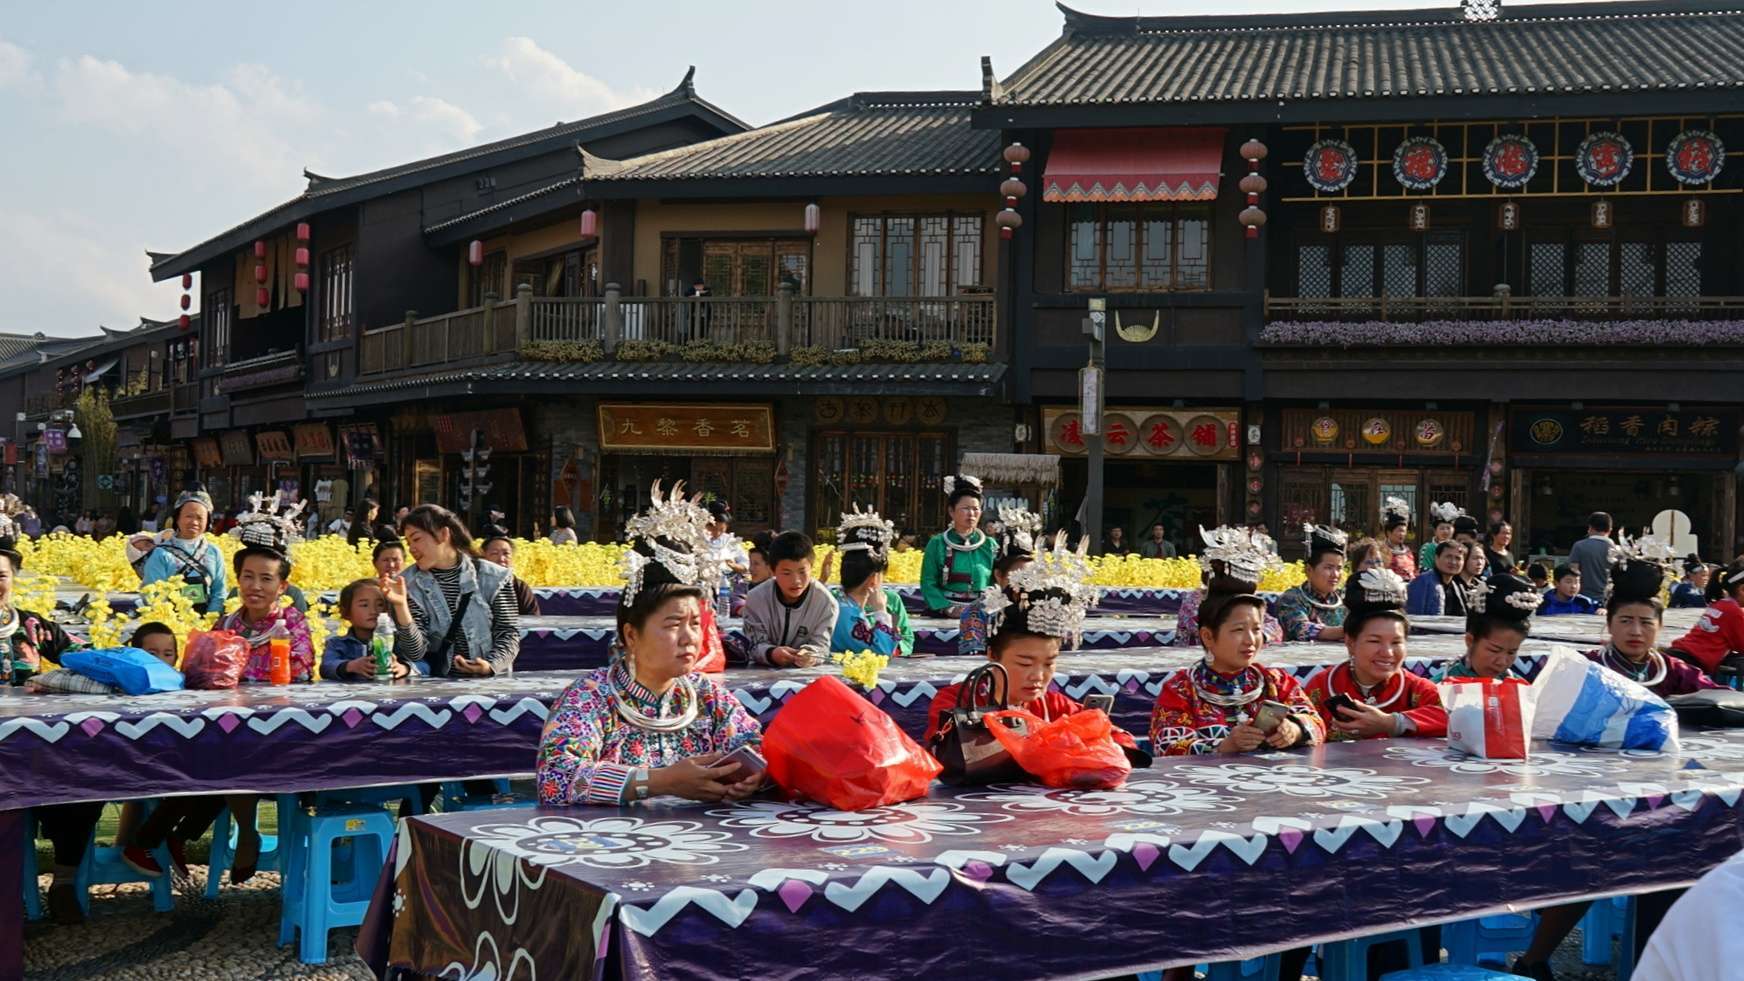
<point>1504,333</point>
<point>569,352</point>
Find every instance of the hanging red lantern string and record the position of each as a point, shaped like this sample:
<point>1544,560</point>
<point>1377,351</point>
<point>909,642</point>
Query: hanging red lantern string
<point>589,223</point>
<point>1012,188</point>
<point>1253,184</point>
<point>184,321</point>
<point>260,272</point>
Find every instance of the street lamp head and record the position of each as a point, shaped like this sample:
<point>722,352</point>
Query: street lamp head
<point>74,433</point>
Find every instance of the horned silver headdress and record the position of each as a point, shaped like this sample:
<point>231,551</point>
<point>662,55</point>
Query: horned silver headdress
<point>1052,594</point>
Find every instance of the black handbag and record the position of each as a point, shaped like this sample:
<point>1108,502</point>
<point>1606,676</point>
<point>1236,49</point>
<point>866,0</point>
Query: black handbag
<point>963,746</point>
<point>1719,708</point>
<point>441,661</point>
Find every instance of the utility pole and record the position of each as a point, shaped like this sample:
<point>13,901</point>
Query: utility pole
<point>1090,398</point>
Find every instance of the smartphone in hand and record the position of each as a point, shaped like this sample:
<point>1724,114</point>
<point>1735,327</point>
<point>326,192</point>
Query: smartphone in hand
<point>1339,701</point>
<point>1270,716</point>
<point>750,763</point>
<point>1105,702</point>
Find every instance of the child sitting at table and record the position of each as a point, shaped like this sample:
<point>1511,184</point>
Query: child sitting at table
<point>348,656</point>
<point>1567,598</point>
<point>1042,606</point>
<point>871,617</point>
<point>789,619</point>
<point>263,569</point>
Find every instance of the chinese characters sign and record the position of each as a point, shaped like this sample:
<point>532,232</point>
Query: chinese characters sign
<point>1700,432</point>
<point>1510,160</point>
<point>501,428</point>
<point>1603,159</point>
<point>1695,156</point>
<point>1330,166</point>
<point>1146,433</point>
<point>1420,162</point>
<point>686,428</point>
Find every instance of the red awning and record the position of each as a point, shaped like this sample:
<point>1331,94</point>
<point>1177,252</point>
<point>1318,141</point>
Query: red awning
<point>1172,164</point>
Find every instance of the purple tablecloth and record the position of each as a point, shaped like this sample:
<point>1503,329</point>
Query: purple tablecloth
<point>1195,860</point>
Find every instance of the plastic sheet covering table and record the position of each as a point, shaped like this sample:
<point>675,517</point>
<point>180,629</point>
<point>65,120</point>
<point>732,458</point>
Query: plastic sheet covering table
<point>1198,859</point>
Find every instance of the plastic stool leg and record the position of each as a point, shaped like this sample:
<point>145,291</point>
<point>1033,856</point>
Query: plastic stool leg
<point>1626,952</point>
<point>312,921</point>
<point>32,894</point>
<point>222,856</point>
<point>1598,929</point>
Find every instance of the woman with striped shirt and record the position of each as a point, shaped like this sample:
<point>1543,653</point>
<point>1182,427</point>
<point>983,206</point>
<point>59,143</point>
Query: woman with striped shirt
<point>447,581</point>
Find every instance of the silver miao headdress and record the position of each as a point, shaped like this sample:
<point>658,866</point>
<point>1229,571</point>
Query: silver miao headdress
<point>1394,512</point>
<point>864,531</point>
<point>1647,548</point>
<point>675,529</point>
<point>1053,593</point>
<point>1247,555</point>
<point>1334,537</point>
<point>270,525</point>
<point>1520,599</point>
<point>1382,586</point>
<point>1019,529</point>
<point>1444,513</point>
<point>963,482</point>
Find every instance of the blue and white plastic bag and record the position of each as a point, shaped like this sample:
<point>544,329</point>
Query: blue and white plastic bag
<point>1587,704</point>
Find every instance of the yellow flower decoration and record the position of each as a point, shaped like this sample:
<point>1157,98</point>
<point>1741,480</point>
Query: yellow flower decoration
<point>861,667</point>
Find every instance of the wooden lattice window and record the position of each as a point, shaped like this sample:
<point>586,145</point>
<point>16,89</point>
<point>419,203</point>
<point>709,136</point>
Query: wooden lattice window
<point>335,309</point>
<point>1683,268</point>
<point>215,313</point>
<point>1346,265</point>
<point>488,279</point>
<point>914,255</point>
<point>900,475</point>
<point>1137,247</point>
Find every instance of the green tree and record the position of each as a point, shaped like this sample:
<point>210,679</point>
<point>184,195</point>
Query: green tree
<point>97,443</point>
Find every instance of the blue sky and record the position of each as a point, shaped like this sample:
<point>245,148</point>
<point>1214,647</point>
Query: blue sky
<point>130,128</point>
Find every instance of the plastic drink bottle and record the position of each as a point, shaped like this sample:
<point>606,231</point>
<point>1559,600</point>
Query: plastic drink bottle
<point>381,647</point>
<point>278,646</point>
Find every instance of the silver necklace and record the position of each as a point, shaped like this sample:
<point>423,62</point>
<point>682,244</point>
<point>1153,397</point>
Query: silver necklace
<point>686,692</point>
<point>1240,698</point>
<point>971,542</point>
<point>1655,661</point>
<point>1366,697</point>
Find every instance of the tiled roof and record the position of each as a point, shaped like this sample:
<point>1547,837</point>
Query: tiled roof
<point>12,345</point>
<point>867,134</point>
<point>953,378</point>
<point>1531,49</point>
<point>329,192</point>
<point>504,204</point>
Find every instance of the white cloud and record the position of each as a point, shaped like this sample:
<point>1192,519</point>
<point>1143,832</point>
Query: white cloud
<point>96,275</point>
<point>382,107</point>
<point>14,63</point>
<point>547,77</point>
<point>446,116</point>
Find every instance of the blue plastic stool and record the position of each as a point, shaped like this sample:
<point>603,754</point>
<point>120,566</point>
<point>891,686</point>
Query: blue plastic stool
<point>105,867</point>
<point>1468,941</point>
<point>224,835</point>
<point>392,794</point>
<point>327,888</point>
<point>1451,972</point>
<point>1258,969</point>
<point>1606,921</point>
<point>1624,965</point>
<point>1348,960</point>
<point>32,894</point>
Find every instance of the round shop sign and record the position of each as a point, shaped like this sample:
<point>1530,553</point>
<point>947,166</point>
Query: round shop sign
<point>1510,160</point>
<point>1119,433</point>
<point>1603,159</point>
<point>1159,434</point>
<point>1420,162</point>
<point>1695,156</point>
<point>1429,433</point>
<point>1205,435</point>
<point>1376,431</point>
<point>1325,430</point>
<point>828,410</point>
<point>1330,166</point>
<point>1546,432</point>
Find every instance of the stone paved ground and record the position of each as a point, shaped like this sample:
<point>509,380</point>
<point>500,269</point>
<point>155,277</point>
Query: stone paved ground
<point>233,938</point>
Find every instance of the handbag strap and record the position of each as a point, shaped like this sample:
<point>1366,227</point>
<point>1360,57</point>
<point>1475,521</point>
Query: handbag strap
<point>439,660</point>
<point>981,685</point>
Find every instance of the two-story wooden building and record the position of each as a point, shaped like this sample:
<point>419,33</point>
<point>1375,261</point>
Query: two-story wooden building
<point>1491,261</point>
<point>797,317</point>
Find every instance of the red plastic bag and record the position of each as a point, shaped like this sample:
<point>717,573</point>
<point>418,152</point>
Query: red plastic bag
<point>1076,751</point>
<point>214,659</point>
<point>714,654</point>
<point>831,745</point>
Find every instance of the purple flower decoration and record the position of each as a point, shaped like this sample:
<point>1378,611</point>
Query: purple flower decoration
<point>1502,333</point>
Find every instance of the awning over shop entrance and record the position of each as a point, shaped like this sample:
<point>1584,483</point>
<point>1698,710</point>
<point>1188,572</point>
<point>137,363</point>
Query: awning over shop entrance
<point>1155,164</point>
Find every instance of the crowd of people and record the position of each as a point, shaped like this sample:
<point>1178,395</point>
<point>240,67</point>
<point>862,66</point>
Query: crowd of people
<point>658,720</point>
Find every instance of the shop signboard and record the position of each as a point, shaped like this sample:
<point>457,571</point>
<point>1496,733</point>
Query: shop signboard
<point>694,428</point>
<point>1594,430</point>
<point>1149,433</point>
<point>501,428</point>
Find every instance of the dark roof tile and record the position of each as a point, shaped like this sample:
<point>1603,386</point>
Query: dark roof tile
<point>1539,48</point>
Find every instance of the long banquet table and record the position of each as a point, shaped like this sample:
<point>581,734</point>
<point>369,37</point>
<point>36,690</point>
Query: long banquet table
<point>1195,860</point>
<point>1579,629</point>
<point>293,739</point>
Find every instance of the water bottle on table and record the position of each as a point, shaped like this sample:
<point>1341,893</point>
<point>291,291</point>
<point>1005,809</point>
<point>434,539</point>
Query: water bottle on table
<point>381,648</point>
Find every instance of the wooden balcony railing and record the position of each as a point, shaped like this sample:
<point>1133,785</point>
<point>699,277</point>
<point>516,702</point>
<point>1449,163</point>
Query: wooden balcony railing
<point>784,322</point>
<point>1503,306</point>
<point>143,404</point>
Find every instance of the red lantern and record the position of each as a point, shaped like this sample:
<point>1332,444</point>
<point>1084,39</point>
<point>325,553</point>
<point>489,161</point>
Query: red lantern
<point>302,282</point>
<point>302,231</point>
<point>262,298</point>
<point>187,301</point>
<point>475,253</point>
<point>260,272</point>
<point>814,218</point>
<point>184,321</point>
<point>589,223</point>
<point>260,248</point>
<point>302,256</point>
<point>1009,221</point>
<point>187,281</point>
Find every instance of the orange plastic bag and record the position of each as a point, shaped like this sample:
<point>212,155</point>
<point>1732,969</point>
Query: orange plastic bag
<point>831,745</point>
<point>1076,751</point>
<point>214,659</point>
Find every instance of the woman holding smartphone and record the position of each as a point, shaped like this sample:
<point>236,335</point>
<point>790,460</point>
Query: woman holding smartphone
<point>1229,702</point>
<point>1372,695</point>
<point>648,724</point>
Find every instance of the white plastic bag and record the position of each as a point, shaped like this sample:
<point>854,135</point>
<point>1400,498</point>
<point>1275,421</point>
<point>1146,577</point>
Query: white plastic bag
<point>1587,704</point>
<point>1489,718</point>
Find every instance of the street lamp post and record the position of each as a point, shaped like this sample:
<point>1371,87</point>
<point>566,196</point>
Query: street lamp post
<point>1090,415</point>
